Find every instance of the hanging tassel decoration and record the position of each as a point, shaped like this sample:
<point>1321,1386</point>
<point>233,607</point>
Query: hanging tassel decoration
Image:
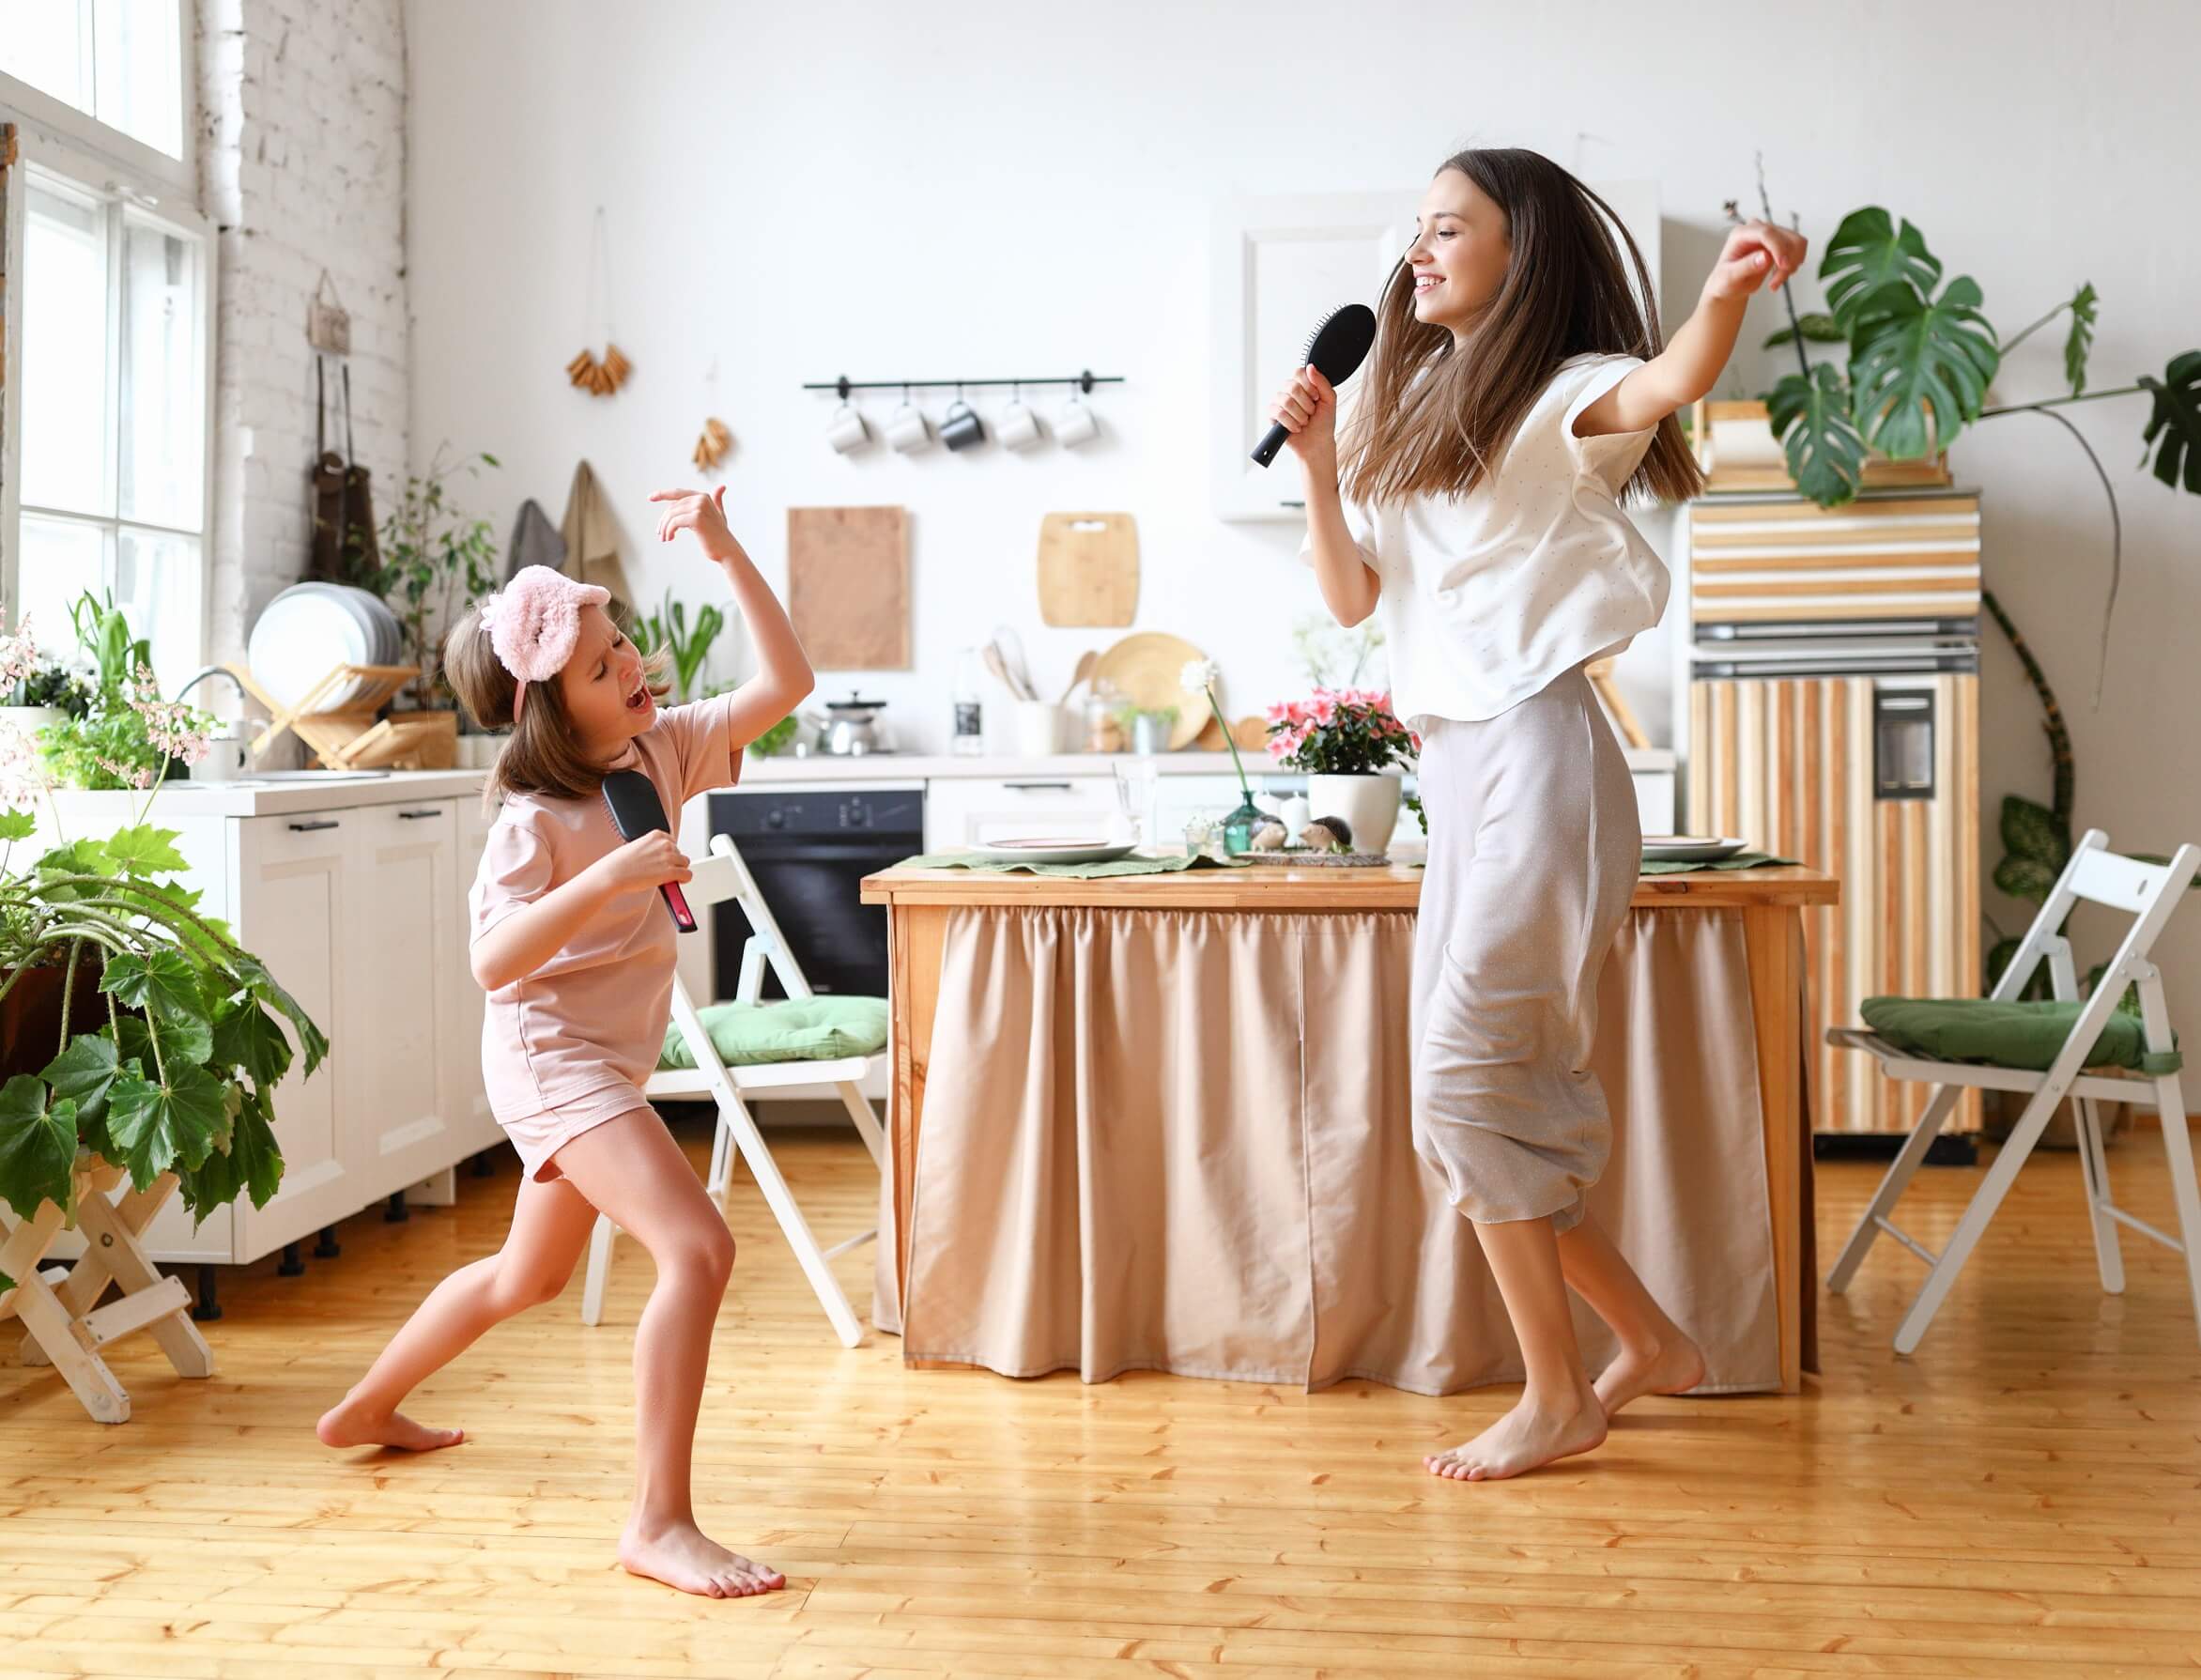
<point>712,445</point>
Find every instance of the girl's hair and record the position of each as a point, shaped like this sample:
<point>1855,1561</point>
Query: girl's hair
<point>1433,417</point>
<point>541,757</point>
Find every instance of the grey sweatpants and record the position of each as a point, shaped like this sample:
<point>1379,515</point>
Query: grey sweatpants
<point>1534,848</point>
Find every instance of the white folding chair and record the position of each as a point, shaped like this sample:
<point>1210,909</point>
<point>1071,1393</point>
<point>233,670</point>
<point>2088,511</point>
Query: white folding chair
<point>2152,893</point>
<point>720,876</point>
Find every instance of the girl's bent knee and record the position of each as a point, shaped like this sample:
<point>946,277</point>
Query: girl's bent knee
<point>704,1255</point>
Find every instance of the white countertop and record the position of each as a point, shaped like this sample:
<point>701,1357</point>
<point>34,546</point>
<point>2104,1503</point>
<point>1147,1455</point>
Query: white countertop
<point>248,797</point>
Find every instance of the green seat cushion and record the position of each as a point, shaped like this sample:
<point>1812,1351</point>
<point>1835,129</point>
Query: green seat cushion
<point>2009,1035</point>
<point>800,1029</point>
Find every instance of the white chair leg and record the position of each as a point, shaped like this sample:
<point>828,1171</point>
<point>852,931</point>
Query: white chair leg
<point>797,1229</point>
<point>2000,1176</point>
<point>721,1174</point>
<point>599,1269</point>
<point>2178,1149</point>
<point>866,1123</point>
<point>2094,1168</point>
<point>1892,1185</point>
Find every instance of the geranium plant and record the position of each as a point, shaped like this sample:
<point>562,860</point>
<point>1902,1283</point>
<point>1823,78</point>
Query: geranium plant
<point>181,1075</point>
<point>1348,732</point>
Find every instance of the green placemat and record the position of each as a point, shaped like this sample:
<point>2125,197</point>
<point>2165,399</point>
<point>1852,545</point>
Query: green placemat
<point>1075,872</point>
<point>1741,861</point>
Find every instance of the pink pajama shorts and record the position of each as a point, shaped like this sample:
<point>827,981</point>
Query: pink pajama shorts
<point>538,1137</point>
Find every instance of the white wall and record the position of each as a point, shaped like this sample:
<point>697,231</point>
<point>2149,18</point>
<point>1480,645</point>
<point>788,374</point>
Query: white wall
<point>798,190</point>
<point>302,108</point>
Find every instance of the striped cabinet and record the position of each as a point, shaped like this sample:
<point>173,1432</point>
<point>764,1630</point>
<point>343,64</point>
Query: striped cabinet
<point>1834,717</point>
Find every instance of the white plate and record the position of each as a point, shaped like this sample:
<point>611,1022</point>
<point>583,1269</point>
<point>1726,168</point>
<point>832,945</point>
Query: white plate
<point>301,635</point>
<point>1690,848</point>
<point>385,634</point>
<point>1055,851</point>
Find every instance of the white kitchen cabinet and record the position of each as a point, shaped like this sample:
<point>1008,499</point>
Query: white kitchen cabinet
<point>977,811</point>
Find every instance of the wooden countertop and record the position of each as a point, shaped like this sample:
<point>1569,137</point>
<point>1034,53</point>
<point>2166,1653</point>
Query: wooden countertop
<point>1274,887</point>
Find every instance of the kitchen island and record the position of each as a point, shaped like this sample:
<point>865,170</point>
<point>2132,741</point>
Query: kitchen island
<point>1161,1122</point>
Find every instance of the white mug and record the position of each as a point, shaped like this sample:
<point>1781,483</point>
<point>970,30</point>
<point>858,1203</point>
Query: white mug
<point>1074,423</point>
<point>909,430</point>
<point>1018,427</point>
<point>229,754</point>
<point>846,431</point>
<point>1039,729</point>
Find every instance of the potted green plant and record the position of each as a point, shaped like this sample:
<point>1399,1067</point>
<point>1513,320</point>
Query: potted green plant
<point>435,560</point>
<point>120,733</point>
<point>36,688</point>
<point>688,648</point>
<point>1347,742</point>
<point>1148,727</point>
<point>159,1047</point>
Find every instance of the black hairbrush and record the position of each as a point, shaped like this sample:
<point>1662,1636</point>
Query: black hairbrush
<point>1335,349</point>
<point>632,799</point>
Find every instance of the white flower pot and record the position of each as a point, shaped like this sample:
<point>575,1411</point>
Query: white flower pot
<point>1369,803</point>
<point>30,719</point>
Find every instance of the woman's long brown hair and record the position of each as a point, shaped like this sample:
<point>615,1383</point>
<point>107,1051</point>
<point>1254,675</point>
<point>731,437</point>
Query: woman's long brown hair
<point>1433,419</point>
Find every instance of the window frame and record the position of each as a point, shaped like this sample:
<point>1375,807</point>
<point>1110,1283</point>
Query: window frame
<point>146,168</point>
<point>124,195</point>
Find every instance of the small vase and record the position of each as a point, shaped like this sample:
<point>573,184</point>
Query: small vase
<point>1368,802</point>
<point>1239,827</point>
<point>1149,734</point>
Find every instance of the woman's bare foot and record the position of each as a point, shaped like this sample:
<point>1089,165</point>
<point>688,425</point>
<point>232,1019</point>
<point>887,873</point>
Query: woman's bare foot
<point>347,1423</point>
<point>1525,1438</point>
<point>1671,1367</point>
<point>682,1556</point>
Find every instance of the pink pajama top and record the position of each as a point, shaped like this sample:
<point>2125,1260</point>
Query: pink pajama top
<point>569,1046</point>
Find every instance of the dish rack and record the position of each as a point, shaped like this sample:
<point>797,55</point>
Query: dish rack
<point>351,737</point>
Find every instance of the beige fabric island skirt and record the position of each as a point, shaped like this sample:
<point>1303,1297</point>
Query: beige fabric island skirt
<point>1534,848</point>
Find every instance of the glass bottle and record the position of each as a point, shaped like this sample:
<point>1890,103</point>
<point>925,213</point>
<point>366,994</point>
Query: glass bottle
<point>969,739</point>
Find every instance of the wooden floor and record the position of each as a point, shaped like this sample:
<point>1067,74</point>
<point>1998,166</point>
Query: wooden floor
<point>2020,1499</point>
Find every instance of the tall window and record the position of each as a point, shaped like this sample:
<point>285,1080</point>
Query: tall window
<point>107,270</point>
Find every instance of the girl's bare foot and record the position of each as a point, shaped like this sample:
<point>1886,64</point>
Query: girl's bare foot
<point>1525,1438</point>
<point>1669,1367</point>
<point>681,1555</point>
<point>347,1423</point>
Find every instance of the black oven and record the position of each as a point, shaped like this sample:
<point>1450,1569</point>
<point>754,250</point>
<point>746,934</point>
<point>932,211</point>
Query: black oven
<point>808,849</point>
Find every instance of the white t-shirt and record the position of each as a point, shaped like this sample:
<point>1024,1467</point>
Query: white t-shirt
<point>1488,596</point>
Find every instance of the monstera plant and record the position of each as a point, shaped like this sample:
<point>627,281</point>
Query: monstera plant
<point>1916,356</point>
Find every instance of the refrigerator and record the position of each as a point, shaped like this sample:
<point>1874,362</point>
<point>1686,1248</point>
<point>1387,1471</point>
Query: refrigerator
<point>1834,717</point>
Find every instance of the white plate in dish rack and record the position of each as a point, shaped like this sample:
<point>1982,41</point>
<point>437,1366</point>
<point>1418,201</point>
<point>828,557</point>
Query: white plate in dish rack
<point>1055,851</point>
<point>1690,848</point>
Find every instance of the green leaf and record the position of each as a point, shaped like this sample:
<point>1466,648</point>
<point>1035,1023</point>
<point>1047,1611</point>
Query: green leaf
<point>255,975</point>
<point>248,1037</point>
<point>1918,371</point>
<point>79,857</point>
<point>1867,252</point>
<point>37,1148</point>
<point>2031,831</point>
<point>164,1127</point>
<point>186,1039</point>
<point>2080,339</point>
<point>1812,418</point>
<point>146,850</point>
<point>2023,878</point>
<point>2177,415</point>
<point>17,824</point>
<point>1816,328</point>
<point>83,1071</point>
<point>253,1163</point>
<point>163,980</point>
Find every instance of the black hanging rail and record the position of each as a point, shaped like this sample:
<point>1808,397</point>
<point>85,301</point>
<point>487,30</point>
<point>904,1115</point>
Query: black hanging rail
<point>1083,382</point>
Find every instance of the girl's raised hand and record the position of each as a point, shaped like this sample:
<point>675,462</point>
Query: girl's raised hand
<point>703,512</point>
<point>1756,253</point>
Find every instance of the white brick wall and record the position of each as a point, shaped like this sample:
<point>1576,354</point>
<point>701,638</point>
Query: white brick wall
<point>301,111</point>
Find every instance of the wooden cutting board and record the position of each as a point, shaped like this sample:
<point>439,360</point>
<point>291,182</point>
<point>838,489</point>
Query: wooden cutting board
<point>1088,569</point>
<point>848,586</point>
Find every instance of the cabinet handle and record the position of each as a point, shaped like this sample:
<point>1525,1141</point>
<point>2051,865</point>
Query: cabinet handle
<point>1036,787</point>
<point>415,816</point>
<point>310,828</point>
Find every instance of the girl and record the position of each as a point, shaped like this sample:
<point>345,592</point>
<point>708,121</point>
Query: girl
<point>575,947</point>
<point>1517,392</point>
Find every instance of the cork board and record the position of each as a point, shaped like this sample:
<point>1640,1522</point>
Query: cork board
<point>848,586</point>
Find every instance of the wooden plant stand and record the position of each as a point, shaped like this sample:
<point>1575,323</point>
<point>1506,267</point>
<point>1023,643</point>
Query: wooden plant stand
<point>352,737</point>
<point>58,1306</point>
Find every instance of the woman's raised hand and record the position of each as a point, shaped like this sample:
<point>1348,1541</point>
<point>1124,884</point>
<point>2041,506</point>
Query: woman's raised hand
<point>1756,253</point>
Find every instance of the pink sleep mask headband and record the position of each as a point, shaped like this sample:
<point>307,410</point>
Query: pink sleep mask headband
<point>533,623</point>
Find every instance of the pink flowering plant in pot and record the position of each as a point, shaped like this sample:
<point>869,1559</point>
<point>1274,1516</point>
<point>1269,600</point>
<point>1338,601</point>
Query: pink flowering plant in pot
<point>1348,742</point>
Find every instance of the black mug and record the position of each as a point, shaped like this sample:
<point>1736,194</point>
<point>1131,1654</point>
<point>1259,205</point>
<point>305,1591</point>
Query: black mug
<point>962,428</point>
